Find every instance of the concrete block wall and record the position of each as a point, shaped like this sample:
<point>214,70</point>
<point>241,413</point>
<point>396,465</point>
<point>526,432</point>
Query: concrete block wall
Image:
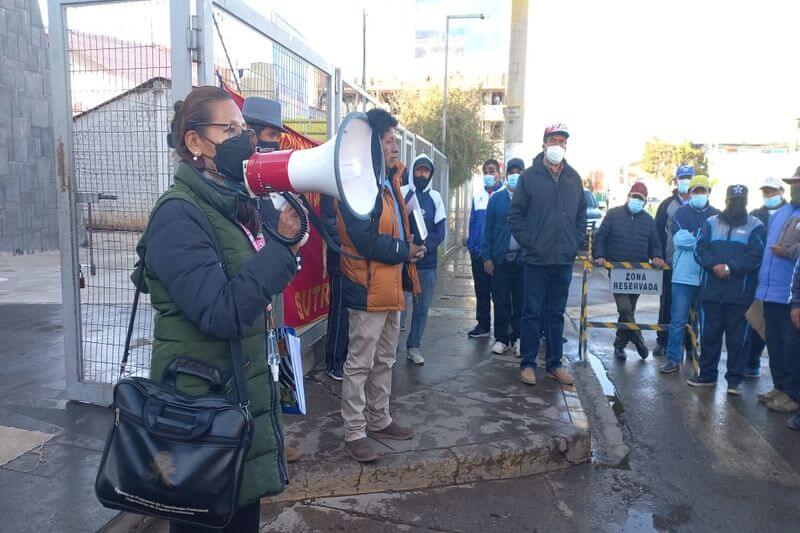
<point>28,201</point>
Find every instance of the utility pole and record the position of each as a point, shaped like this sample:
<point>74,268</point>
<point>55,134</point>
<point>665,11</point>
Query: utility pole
<point>515,92</point>
<point>364,55</point>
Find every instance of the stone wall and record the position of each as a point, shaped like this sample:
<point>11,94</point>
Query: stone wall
<point>28,201</point>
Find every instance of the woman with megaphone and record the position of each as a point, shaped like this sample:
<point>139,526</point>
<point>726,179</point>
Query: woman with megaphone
<point>211,272</point>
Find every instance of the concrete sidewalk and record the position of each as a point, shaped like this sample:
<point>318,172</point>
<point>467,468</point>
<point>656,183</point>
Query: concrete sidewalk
<point>474,419</point>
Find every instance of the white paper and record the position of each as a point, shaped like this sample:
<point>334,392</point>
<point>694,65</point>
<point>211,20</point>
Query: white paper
<point>297,368</point>
<point>419,219</point>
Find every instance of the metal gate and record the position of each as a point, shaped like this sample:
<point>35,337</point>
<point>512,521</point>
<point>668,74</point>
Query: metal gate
<point>117,69</point>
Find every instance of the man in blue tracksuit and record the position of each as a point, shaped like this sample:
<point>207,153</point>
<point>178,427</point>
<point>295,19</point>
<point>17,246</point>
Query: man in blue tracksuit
<point>492,181</point>
<point>774,281</point>
<point>502,261</point>
<point>433,211</point>
<point>729,249</point>
<point>772,190</point>
<point>686,273</point>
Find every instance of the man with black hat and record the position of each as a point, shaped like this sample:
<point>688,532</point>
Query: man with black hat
<point>263,116</point>
<point>729,249</point>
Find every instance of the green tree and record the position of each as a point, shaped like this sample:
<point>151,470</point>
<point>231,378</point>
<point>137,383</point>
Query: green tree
<point>420,110</point>
<point>661,158</point>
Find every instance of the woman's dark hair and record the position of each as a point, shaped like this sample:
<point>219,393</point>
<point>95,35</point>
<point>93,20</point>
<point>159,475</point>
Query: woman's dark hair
<point>381,121</point>
<point>189,113</point>
<point>491,162</point>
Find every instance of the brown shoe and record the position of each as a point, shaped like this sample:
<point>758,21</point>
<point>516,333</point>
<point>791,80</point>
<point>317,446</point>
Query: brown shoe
<point>562,375</point>
<point>291,454</point>
<point>528,376</point>
<point>360,450</point>
<point>393,431</point>
<point>782,403</point>
<point>768,396</point>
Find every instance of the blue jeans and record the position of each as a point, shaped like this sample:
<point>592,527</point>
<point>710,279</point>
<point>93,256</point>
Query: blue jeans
<point>683,298</point>
<point>545,292</point>
<point>422,302</point>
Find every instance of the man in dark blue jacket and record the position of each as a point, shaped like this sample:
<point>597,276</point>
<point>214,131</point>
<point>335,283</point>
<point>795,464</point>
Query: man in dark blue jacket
<point>419,192</point>
<point>338,315</point>
<point>492,181</point>
<point>502,261</point>
<point>628,233</point>
<point>729,249</point>
<point>548,219</point>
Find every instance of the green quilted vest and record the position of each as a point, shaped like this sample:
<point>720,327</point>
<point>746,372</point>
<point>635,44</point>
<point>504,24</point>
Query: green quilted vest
<point>265,467</point>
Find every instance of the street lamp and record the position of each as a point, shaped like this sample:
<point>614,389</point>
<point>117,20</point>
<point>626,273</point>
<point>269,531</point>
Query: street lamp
<point>446,49</point>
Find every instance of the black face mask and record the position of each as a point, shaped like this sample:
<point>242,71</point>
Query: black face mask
<point>420,183</point>
<point>268,146</point>
<point>736,211</point>
<point>230,156</point>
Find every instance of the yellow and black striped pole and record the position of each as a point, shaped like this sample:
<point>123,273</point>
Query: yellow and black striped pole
<point>583,333</point>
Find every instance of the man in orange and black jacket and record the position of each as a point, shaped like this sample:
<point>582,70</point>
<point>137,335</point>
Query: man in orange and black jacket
<point>377,262</point>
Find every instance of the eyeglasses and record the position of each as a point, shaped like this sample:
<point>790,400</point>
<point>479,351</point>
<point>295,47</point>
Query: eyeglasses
<point>233,130</point>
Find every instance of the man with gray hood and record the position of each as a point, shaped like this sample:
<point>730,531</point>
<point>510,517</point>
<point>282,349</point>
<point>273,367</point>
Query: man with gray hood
<point>419,193</point>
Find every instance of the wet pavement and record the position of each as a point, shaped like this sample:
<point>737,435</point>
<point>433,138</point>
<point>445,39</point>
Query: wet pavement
<point>699,461</point>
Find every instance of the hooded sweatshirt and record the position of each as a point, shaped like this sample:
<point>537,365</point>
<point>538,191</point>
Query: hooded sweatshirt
<point>430,202</point>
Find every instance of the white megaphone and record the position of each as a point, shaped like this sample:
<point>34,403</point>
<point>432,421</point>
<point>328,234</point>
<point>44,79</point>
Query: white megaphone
<point>342,168</point>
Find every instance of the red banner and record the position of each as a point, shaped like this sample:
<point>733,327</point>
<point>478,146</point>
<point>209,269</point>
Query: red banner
<point>305,299</point>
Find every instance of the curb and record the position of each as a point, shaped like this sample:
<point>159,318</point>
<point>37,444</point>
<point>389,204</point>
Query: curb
<point>503,459</point>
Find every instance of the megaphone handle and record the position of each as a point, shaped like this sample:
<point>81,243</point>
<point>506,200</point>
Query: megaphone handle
<point>301,213</point>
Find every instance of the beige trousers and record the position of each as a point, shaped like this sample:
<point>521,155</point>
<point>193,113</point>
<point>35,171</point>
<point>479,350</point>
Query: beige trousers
<point>368,371</point>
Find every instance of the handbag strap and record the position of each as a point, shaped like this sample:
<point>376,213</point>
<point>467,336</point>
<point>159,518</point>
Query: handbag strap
<point>131,322</point>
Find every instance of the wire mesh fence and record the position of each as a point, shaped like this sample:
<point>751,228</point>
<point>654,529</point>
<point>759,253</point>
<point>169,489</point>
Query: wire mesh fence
<point>120,94</point>
<point>117,58</point>
<point>255,65</point>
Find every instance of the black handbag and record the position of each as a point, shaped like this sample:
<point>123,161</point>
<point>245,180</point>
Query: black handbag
<point>174,456</point>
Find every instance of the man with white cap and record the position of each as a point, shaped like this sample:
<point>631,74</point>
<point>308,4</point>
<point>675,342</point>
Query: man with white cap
<point>772,193</point>
<point>547,218</point>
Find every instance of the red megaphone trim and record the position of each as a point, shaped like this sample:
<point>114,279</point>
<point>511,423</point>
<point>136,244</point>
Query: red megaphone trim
<point>268,172</point>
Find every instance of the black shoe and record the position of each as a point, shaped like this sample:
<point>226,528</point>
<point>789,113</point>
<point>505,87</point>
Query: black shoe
<point>735,389</point>
<point>669,367</point>
<point>477,332</point>
<point>697,381</point>
<point>619,353</point>
<point>660,350</point>
<point>643,351</point>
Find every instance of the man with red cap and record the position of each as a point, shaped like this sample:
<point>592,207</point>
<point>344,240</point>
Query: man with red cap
<point>628,233</point>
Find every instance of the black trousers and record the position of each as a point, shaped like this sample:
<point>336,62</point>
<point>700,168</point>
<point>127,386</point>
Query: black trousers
<point>718,318</point>
<point>664,314</point>
<point>626,308</point>
<point>338,326</point>
<point>756,349</point>
<point>783,345</point>
<point>507,299</point>
<point>246,520</point>
<point>483,291</point>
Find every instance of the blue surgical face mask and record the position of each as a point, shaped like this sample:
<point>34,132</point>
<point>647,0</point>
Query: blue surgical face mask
<point>699,201</point>
<point>771,202</point>
<point>488,181</point>
<point>513,179</point>
<point>683,186</point>
<point>635,205</point>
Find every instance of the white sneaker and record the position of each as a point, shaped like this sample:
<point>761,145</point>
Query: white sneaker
<point>415,356</point>
<point>517,349</point>
<point>499,347</point>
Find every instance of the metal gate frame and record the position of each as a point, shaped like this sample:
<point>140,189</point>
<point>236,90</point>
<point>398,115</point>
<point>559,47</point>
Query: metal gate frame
<point>191,57</point>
